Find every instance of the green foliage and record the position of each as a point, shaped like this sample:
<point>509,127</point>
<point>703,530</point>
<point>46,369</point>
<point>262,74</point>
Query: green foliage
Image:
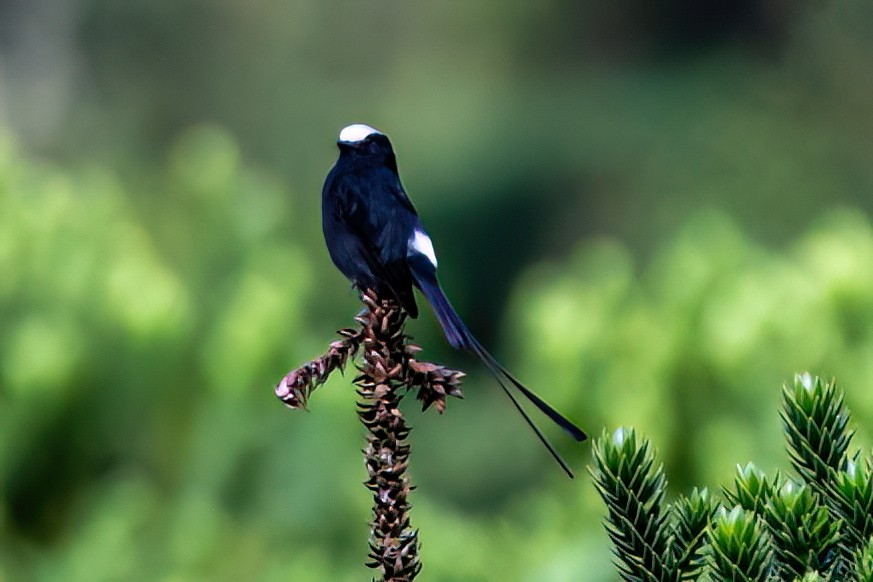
<point>816,425</point>
<point>651,542</point>
<point>627,477</point>
<point>144,326</point>
<point>677,221</point>
<point>804,533</point>
<point>738,548</point>
<point>692,516</point>
<point>677,347</point>
<point>137,347</point>
<point>853,502</point>
<point>863,563</point>
<point>816,419</point>
<point>775,529</point>
<point>144,323</point>
<point>752,489</point>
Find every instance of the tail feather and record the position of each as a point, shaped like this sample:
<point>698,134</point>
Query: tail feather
<point>460,338</point>
<point>456,332</point>
<point>574,431</point>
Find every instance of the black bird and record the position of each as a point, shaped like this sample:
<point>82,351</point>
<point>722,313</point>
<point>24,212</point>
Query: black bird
<point>375,238</point>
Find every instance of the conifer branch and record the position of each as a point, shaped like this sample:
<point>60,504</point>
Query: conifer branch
<point>815,419</point>
<point>804,535</point>
<point>738,547</point>
<point>778,529</point>
<point>633,486</point>
<point>863,563</point>
<point>752,490</point>
<point>691,518</point>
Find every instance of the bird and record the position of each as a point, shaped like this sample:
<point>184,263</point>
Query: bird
<point>375,238</point>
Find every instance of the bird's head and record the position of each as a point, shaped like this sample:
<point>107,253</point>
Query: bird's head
<point>363,140</point>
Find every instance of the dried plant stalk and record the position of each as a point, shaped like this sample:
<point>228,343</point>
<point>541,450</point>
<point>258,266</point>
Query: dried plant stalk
<point>389,369</point>
<point>297,385</point>
<point>393,542</point>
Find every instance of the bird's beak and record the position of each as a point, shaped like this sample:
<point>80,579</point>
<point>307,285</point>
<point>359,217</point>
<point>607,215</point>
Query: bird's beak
<point>348,145</point>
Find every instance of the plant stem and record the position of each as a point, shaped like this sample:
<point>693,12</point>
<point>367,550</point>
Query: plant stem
<point>390,368</point>
<point>394,543</point>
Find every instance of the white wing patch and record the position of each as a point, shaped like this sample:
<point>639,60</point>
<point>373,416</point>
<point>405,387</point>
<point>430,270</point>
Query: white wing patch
<point>357,132</point>
<point>420,243</point>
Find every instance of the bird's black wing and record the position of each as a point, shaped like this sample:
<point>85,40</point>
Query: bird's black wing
<point>381,224</point>
<point>396,190</point>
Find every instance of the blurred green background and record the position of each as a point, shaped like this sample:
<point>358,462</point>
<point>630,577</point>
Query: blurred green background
<point>654,212</point>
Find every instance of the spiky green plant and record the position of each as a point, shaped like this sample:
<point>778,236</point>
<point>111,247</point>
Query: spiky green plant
<point>653,541</point>
<point>691,518</point>
<point>632,484</point>
<point>816,423</point>
<point>819,527</point>
<point>815,419</point>
<point>863,564</point>
<point>805,537</point>
<point>738,547</point>
<point>752,490</point>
